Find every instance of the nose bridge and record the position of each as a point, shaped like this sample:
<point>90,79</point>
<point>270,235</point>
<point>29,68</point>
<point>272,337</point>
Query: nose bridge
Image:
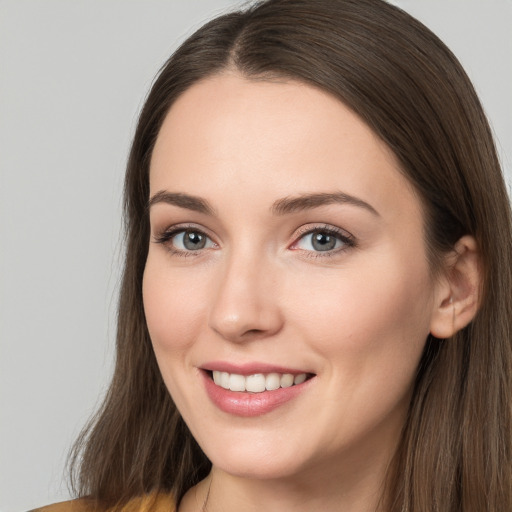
<point>245,305</point>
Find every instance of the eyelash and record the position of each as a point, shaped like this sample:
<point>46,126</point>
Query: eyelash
<point>346,239</point>
<point>167,235</point>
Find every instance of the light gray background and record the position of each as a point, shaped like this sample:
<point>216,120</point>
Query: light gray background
<point>73,75</point>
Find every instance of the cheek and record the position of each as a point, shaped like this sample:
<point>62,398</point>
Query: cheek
<point>376,316</point>
<point>172,303</point>
<point>368,330</point>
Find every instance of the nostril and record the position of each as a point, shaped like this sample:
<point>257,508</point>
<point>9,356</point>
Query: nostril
<point>253,332</point>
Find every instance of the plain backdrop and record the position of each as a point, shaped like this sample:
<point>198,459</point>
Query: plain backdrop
<point>73,75</point>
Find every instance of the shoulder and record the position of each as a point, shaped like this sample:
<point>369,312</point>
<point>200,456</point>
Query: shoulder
<point>149,503</point>
<point>65,506</point>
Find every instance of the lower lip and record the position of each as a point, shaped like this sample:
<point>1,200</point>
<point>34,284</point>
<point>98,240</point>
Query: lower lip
<point>247,404</point>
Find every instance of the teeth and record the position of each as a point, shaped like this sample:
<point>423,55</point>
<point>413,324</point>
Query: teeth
<point>236,382</point>
<point>273,381</point>
<point>258,382</point>
<point>224,380</point>
<point>299,379</point>
<point>287,380</point>
<point>255,383</point>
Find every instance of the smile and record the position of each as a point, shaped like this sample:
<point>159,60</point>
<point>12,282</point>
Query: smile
<point>258,382</point>
<point>254,389</point>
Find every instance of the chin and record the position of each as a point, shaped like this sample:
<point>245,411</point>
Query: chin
<point>248,457</point>
<point>256,470</point>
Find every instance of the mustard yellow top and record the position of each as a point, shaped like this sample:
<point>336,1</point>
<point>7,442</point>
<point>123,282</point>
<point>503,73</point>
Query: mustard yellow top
<point>149,503</point>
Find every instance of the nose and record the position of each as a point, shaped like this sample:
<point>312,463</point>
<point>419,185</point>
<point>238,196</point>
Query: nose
<point>246,306</point>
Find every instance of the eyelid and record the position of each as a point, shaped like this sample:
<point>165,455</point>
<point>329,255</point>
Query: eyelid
<point>347,238</point>
<point>166,235</point>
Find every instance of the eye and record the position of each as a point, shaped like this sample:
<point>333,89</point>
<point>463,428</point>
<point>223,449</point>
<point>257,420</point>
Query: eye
<point>190,240</point>
<point>323,240</point>
<point>181,240</point>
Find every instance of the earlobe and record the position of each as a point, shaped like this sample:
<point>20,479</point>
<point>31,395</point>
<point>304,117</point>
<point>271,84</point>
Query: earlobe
<point>458,294</point>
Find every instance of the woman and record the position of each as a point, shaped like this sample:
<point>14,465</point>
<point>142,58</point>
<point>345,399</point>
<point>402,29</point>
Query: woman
<point>315,311</point>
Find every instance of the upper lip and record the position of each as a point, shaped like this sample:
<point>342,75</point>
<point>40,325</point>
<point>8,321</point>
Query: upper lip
<point>249,368</point>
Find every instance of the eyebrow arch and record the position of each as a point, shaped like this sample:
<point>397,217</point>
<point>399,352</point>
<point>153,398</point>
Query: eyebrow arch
<point>194,203</point>
<point>310,201</point>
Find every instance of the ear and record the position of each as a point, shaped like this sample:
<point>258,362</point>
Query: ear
<point>457,296</point>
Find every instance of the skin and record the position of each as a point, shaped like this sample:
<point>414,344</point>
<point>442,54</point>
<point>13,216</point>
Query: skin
<point>356,317</point>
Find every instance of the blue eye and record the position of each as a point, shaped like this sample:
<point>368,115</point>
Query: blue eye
<point>190,240</point>
<point>181,240</point>
<point>322,240</point>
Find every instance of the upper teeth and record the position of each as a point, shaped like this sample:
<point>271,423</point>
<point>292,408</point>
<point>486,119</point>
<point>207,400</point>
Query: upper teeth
<point>258,382</point>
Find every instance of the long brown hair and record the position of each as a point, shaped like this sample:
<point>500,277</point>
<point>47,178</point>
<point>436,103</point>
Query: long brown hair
<point>455,452</point>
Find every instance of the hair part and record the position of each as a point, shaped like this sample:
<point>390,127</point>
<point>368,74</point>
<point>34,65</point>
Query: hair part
<point>455,451</point>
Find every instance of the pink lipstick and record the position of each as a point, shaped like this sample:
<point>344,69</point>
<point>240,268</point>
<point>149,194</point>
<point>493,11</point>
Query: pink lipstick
<point>252,389</point>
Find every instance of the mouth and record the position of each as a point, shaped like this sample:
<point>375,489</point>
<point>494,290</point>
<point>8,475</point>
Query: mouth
<point>253,388</point>
<point>254,394</point>
<point>256,382</point>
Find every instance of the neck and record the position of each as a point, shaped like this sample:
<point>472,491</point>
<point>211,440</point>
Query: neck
<point>276,496</point>
<point>353,490</point>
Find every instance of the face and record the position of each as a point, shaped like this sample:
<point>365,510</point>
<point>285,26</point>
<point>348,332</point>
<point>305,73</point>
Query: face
<point>287,291</point>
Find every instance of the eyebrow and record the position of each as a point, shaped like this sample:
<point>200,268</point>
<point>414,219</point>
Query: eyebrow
<point>282,206</point>
<point>186,201</point>
<point>309,201</point>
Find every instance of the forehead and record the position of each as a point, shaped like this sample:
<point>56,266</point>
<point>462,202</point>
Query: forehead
<point>276,137</point>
